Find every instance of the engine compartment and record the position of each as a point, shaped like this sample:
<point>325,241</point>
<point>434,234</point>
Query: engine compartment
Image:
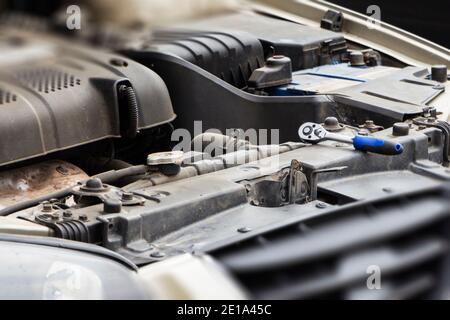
<point>185,140</point>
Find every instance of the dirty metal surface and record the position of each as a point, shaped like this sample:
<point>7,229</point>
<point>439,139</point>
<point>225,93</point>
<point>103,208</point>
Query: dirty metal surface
<point>35,180</point>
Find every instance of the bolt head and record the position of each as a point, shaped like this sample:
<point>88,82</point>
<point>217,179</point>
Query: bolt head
<point>332,124</point>
<point>331,121</point>
<point>67,214</point>
<point>94,183</point>
<point>356,59</point>
<point>321,205</point>
<point>47,207</point>
<point>127,196</point>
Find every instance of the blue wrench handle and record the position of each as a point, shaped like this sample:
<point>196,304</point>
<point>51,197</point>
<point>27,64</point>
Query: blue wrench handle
<point>376,145</point>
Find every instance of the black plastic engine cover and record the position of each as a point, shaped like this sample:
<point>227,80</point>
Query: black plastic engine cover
<point>306,46</point>
<point>230,56</point>
<point>55,95</point>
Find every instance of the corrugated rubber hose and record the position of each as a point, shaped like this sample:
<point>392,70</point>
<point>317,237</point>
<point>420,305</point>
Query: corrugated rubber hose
<point>129,96</point>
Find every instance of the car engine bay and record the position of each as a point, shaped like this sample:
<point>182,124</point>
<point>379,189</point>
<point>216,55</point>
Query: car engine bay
<point>286,155</point>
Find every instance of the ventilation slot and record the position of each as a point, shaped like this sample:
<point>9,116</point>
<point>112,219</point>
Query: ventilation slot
<point>47,80</point>
<point>7,97</point>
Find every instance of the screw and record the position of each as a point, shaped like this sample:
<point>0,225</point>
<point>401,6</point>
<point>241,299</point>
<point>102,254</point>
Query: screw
<point>331,122</point>
<point>356,58</point>
<point>83,217</point>
<point>387,190</point>
<point>127,196</point>
<point>94,184</point>
<point>67,214</point>
<point>46,206</point>
<point>244,230</point>
<point>55,216</point>
<point>321,205</point>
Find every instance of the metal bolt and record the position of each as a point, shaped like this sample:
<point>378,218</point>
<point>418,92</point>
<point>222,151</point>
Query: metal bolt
<point>94,183</point>
<point>67,214</point>
<point>356,59</point>
<point>83,217</point>
<point>331,121</point>
<point>55,216</point>
<point>127,196</point>
<point>47,207</point>
<point>321,205</point>
<point>244,230</point>
<point>332,124</point>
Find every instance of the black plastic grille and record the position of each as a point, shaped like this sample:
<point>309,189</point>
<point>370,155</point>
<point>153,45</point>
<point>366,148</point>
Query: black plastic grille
<point>407,237</point>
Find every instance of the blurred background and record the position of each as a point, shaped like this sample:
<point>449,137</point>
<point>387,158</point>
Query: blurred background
<point>428,19</point>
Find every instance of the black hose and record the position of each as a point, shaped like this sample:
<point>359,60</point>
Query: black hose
<point>108,177</point>
<point>129,96</point>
